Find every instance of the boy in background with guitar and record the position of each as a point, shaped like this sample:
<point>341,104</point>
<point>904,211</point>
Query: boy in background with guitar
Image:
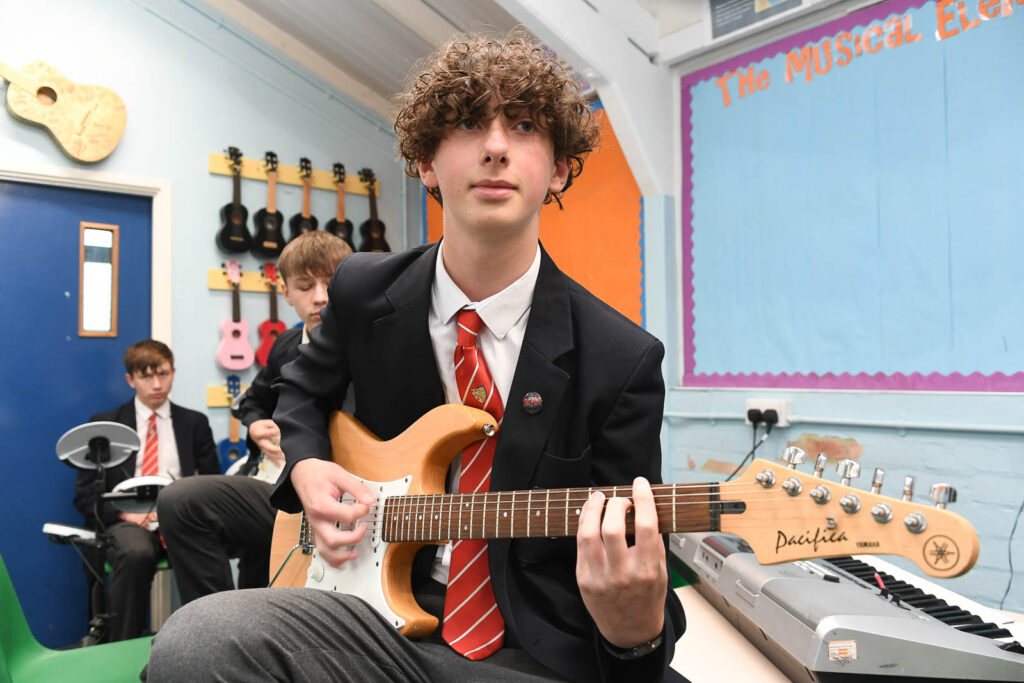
<point>494,128</point>
<point>207,520</point>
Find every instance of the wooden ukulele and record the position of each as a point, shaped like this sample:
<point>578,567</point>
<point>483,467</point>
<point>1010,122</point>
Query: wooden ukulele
<point>233,447</point>
<point>340,226</point>
<point>372,229</point>
<point>782,513</point>
<point>269,329</point>
<point>305,221</point>
<point>86,121</point>
<point>233,235</point>
<point>269,238</point>
<point>234,352</point>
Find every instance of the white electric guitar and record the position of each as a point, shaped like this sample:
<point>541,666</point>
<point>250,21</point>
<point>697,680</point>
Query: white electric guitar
<point>782,513</point>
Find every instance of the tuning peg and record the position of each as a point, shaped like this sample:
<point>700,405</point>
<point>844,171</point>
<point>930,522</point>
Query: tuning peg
<point>942,494</point>
<point>819,464</point>
<point>876,481</point>
<point>908,488</point>
<point>848,469</point>
<point>793,456</point>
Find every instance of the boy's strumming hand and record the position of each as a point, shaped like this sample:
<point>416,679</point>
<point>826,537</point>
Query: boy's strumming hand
<point>268,437</point>
<point>623,587</point>
<point>320,484</point>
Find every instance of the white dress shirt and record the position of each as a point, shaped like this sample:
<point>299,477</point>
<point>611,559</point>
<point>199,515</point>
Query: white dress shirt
<point>505,315</point>
<point>167,448</point>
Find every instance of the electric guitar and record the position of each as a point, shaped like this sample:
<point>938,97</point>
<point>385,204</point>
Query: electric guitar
<point>304,221</point>
<point>271,328</point>
<point>233,447</point>
<point>269,239</point>
<point>233,235</point>
<point>340,226</point>
<point>234,352</point>
<point>372,229</point>
<point>782,513</point>
<point>86,121</point>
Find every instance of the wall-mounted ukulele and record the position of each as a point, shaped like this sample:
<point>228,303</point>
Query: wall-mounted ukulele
<point>233,235</point>
<point>87,121</point>
<point>269,238</point>
<point>305,221</point>
<point>234,352</point>
<point>233,447</point>
<point>269,329</point>
<point>372,229</point>
<point>340,226</point>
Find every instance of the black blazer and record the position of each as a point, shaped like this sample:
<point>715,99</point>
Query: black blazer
<point>603,397</point>
<point>196,451</point>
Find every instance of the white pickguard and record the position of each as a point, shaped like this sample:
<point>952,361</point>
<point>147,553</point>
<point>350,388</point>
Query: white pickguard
<point>362,576</point>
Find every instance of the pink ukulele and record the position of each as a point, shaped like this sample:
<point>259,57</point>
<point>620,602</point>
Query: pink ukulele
<point>234,352</point>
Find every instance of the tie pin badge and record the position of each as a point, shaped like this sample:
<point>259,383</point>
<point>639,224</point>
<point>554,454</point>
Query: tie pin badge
<point>479,393</point>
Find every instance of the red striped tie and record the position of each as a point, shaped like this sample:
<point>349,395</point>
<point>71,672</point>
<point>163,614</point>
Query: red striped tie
<point>473,626</point>
<point>150,458</point>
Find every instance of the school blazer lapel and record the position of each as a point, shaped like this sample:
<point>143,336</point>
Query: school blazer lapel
<point>548,337</point>
<point>404,340</point>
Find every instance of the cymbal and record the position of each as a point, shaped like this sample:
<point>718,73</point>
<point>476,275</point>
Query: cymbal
<point>79,447</point>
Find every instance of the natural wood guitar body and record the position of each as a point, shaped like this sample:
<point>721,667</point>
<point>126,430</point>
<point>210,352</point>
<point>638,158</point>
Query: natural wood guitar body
<point>87,121</point>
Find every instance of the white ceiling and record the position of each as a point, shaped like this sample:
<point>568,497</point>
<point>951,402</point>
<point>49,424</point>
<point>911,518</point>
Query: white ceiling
<point>364,47</point>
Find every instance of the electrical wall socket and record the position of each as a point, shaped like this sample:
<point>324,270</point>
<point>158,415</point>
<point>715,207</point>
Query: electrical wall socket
<point>779,405</point>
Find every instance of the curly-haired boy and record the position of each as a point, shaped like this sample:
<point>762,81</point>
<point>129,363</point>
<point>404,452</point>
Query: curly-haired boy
<point>494,128</point>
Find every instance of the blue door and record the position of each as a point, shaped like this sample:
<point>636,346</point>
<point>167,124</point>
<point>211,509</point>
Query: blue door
<point>52,380</point>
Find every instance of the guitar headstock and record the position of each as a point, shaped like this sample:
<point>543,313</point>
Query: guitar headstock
<point>366,175</point>
<point>234,385</point>
<point>339,173</point>
<point>234,271</point>
<point>270,160</point>
<point>305,168</point>
<point>787,515</point>
<point>235,155</point>
<point>270,272</point>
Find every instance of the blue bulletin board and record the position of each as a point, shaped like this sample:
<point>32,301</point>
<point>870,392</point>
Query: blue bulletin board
<point>853,205</point>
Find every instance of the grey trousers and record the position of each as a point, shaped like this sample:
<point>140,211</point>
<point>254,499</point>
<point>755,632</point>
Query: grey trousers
<point>299,634</point>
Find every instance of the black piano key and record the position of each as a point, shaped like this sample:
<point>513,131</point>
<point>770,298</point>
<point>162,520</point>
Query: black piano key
<point>963,621</point>
<point>987,629</point>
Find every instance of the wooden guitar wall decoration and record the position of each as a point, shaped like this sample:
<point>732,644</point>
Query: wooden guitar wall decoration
<point>340,226</point>
<point>86,121</point>
<point>233,235</point>
<point>784,514</point>
<point>305,221</point>
<point>372,229</point>
<point>269,238</point>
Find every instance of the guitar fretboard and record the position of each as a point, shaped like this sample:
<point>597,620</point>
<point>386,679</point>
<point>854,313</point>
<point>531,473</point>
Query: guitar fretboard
<point>537,513</point>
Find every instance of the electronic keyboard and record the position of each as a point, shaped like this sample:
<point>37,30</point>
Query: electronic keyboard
<point>835,620</point>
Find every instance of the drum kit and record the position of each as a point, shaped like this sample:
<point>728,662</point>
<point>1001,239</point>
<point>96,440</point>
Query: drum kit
<point>101,446</point>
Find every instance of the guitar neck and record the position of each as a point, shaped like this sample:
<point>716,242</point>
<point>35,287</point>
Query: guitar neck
<point>233,429</point>
<point>539,513</point>
<point>373,203</point>
<point>273,303</point>
<point>236,309</point>
<point>236,191</point>
<point>341,202</point>
<point>272,192</point>
<point>16,77</point>
<point>307,184</point>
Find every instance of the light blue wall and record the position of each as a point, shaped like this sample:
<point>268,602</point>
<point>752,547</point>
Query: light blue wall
<point>192,87</point>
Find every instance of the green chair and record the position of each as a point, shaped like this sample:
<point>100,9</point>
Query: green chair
<point>24,660</point>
